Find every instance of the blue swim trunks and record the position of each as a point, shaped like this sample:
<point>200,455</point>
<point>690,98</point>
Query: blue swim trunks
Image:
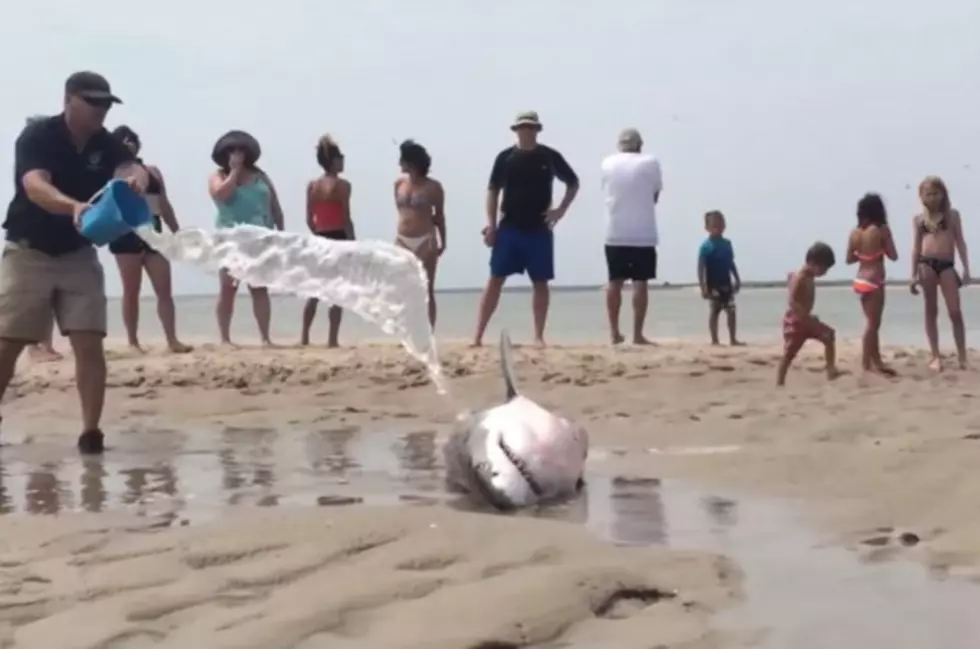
<point>520,250</point>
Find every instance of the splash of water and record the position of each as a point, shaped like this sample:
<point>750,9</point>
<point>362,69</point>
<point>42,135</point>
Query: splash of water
<point>380,282</point>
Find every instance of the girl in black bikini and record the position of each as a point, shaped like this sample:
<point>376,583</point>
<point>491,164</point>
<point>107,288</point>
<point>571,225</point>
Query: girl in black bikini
<point>133,255</point>
<point>937,238</point>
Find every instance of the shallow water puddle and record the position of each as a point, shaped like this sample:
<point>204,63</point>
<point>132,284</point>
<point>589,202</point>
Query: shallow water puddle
<point>809,597</point>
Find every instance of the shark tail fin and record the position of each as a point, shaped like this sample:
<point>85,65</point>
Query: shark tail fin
<point>507,365</point>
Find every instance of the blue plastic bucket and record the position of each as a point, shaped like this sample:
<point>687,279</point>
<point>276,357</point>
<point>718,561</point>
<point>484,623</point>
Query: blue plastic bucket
<point>118,210</point>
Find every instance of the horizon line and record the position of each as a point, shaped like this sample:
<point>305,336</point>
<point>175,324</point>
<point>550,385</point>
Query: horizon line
<point>579,288</point>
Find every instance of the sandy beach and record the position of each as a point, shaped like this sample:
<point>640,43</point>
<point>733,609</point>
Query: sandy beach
<point>886,468</point>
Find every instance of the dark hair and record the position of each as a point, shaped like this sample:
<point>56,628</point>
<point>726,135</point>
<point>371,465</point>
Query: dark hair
<point>125,134</point>
<point>712,214</point>
<point>820,254</point>
<point>231,141</point>
<point>871,210</point>
<point>415,156</point>
<point>327,151</point>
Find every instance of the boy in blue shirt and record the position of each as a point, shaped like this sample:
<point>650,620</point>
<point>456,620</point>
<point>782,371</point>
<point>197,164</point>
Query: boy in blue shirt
<point>716,270</point>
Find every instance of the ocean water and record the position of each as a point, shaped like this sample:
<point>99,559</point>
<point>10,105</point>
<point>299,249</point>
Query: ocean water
<point>576,316</point>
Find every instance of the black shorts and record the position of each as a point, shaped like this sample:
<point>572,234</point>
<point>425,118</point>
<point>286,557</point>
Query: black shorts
<point>131,244</point>
<point>722,297</point>
<point>336,235</point>
<point>631,262</point>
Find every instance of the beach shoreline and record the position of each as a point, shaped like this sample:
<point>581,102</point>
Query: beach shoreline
<point>868,458</point>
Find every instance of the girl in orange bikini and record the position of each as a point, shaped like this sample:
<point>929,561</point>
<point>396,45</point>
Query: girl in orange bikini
<point>870,242</point>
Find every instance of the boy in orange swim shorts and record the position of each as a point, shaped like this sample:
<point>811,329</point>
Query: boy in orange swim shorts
<point>799,323</point>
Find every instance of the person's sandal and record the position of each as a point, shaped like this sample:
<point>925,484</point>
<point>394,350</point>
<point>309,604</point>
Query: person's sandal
<point>91,442</point>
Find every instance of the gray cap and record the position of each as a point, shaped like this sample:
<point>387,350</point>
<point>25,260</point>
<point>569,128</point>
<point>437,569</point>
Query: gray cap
<point>630,138</point>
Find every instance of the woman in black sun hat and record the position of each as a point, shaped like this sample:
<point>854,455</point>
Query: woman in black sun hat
<point>244,195</point>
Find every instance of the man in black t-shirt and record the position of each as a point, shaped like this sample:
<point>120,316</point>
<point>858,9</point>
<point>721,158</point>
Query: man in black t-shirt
<point>523,241</point>
<point>44,351</point>
<point>48,270</point>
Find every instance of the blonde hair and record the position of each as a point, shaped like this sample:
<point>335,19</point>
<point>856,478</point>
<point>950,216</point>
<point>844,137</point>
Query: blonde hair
<point>935,182</point>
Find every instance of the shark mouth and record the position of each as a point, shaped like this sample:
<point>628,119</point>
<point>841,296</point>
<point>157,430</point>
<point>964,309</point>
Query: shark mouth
<point>521,467</point>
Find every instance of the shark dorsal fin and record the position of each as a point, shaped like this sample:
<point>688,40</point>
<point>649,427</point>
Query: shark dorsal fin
<point>507,365</point>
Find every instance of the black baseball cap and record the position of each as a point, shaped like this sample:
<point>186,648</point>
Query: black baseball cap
<point>90,85</point>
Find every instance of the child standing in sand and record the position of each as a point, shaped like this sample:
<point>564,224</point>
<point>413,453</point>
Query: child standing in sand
<point>870,242</point>
<point>937,238</point>
<point>716,270</point>
<point>799,323</point>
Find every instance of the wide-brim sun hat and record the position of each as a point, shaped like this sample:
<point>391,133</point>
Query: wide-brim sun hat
<point>527,118</point>
<point>236,140</point>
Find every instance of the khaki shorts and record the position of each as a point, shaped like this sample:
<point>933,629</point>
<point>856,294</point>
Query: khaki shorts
<point>36,289</point>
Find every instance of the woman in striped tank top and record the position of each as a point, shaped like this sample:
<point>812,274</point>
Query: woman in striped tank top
<point>244,195</point>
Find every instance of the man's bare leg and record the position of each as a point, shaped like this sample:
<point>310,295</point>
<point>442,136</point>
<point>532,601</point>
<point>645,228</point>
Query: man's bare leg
<point>90,378</point>
<point>614,302</point>
<point>641,299</point>
<point>540,300</point>
<point>488,304</point>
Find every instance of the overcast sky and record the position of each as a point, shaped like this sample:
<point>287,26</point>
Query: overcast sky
<point>779,113</point>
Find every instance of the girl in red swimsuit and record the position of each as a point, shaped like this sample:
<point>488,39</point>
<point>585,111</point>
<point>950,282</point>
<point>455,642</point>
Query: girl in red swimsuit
<point>870,242</point>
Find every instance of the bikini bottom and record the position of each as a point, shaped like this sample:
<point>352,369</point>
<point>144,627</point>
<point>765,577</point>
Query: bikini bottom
<point>415,244</point>
<point>940,266</point>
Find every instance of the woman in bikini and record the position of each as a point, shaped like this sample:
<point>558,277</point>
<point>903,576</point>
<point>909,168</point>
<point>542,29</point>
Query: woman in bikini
<point>327,215</point>
<point>937,238</point>
<point>243,195</point>
<point>421,221</point>
<point>133,256</point>
<point>870,242</point>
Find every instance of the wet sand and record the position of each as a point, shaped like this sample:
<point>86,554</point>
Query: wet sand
<point>221,454</point>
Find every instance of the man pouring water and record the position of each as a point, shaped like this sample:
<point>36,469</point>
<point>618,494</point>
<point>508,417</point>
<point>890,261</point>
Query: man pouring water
<point>48,270</point>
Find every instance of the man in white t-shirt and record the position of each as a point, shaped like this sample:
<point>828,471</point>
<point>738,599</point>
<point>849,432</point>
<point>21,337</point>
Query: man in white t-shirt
<point>631,184</point>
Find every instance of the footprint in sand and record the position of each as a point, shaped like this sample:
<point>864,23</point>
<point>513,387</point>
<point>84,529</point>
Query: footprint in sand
<point>888,536</point>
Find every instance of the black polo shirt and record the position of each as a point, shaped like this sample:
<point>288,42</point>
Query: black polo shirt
<point>526,177</point>
<point>46,145</point>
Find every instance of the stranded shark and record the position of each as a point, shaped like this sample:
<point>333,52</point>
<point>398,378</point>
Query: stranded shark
<point>516,454</point>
